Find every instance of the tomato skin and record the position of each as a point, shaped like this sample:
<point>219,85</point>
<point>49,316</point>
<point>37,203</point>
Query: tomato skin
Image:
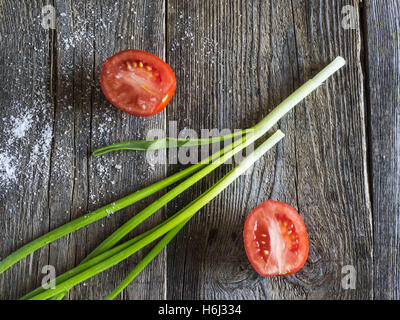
<point>275,239</point>
<point>136,90</point>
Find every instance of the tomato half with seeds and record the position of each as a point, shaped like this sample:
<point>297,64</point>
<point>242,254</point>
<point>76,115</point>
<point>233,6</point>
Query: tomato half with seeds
<point>137,82</point>
<point>275,239</point>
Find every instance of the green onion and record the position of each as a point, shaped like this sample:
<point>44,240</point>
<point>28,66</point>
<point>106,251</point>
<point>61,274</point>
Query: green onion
<point>186,214</point>
<point>165,143</point>
<point>88,263</point>
<point>265,124</point>
<point>98,214</point>
<point>104,250</point>
<point>92,217</point>
<point>173,193</point>
<point>170,195</point>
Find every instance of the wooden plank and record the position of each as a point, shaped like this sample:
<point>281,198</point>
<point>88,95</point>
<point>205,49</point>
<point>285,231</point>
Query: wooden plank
<point>333,190</point>
<point>25,139</point>
<point>229,51</point>
<point>383,65</point>
<point>67,63</point>
<point>88,35</point>
<point>235,61</point>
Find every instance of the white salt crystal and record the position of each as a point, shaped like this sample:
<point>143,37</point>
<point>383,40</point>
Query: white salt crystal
<point>7,168</point>
<point>21,125</point>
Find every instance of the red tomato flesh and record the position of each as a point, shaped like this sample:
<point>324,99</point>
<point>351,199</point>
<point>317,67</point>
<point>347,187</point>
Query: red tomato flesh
<point>275,239</point>
<point>137,82</point>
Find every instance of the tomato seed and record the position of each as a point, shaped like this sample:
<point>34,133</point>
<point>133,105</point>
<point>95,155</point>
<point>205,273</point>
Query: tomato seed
<point>128,64</point>
<point>262,243</point>
<point>288,228</point>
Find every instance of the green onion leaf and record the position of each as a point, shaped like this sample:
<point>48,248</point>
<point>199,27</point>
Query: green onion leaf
<point>186,214</point>
<point>165,143</point>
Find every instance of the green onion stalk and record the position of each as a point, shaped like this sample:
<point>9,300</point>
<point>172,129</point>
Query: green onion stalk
<point>177,222</point>
<point>107,253</point>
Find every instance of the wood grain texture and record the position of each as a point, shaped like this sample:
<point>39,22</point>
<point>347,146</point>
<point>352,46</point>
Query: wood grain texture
<point>82,120</point>
<point>382,20</point>
<point>25,59</point>
<point>333,191</point>
<point>234,61</point>
<point>87,36</point>
<point>262,51</point>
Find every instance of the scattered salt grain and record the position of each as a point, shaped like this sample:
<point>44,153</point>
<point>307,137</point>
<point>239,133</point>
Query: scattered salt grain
<point>21,125</point>
<point>7,168</point>
<point>20,155</point>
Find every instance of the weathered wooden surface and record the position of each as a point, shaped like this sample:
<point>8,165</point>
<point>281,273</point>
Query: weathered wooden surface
<point>258,57</point>
<point>383,88</point>
<point>67,63</point>
<point>84,121</point>
<point>24,204</point>
<point>234,61</point>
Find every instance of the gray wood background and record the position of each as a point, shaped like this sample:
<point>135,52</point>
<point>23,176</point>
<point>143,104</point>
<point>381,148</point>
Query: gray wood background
<point>234,61</point>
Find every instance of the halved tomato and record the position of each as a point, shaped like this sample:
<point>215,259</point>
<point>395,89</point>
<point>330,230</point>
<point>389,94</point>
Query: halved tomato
<point>137,82</point>
<point>275,239</point>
